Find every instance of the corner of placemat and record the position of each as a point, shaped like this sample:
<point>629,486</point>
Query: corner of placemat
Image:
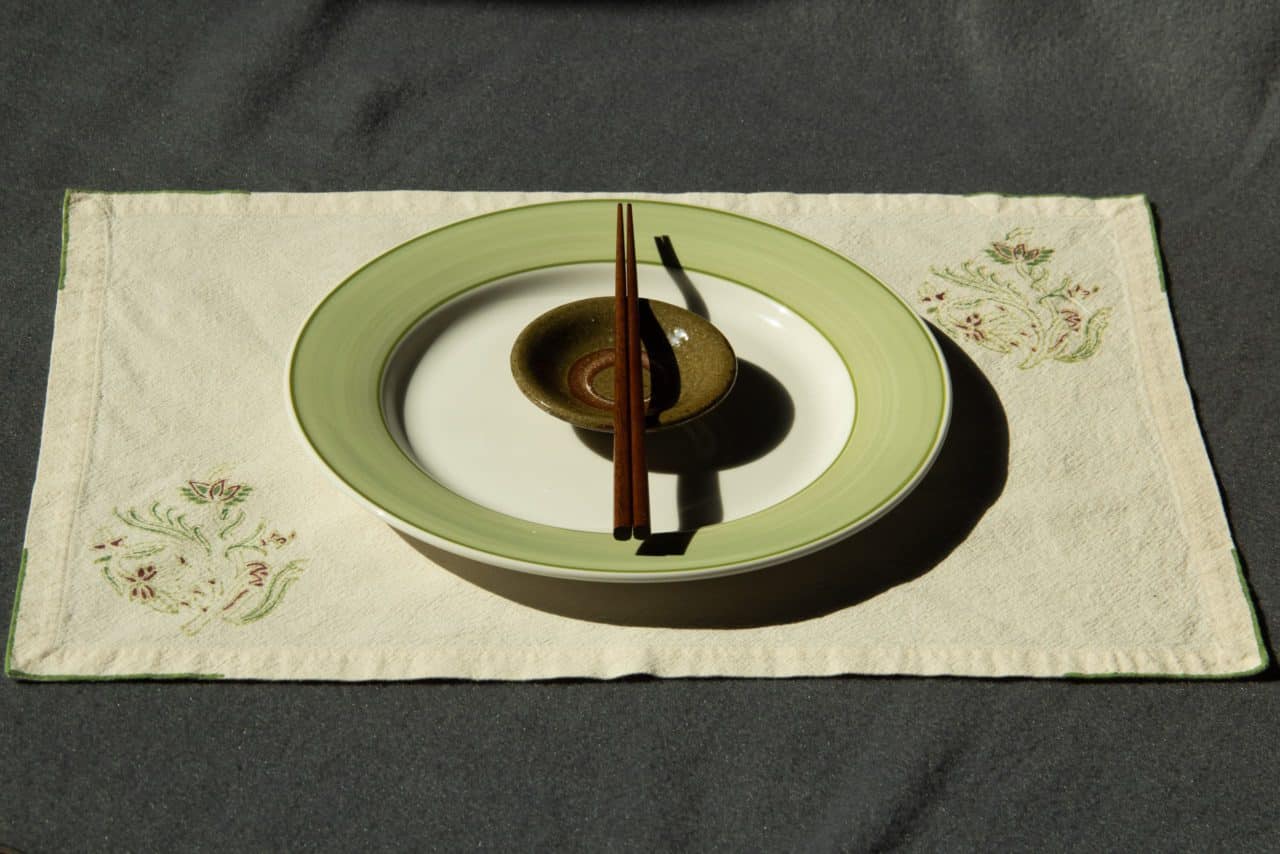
<point>19,675</point>
<point>1251,605</point>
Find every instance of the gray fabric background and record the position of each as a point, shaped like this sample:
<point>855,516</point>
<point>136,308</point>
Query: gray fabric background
<point>1180,101</point>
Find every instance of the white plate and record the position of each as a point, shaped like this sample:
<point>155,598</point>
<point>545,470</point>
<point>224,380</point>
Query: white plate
<point>457,412</point>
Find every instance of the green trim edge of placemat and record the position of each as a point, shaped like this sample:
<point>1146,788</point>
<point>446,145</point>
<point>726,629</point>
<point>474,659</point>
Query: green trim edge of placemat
<point>1155,247</point>
<point>13,615</point>
<point>1001,195</point>
<point>62,258</point>
<point>1264,657</point>
<point>14,673</point>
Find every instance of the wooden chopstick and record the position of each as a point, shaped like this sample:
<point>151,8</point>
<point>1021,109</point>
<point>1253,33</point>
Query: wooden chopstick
<point>630,466</point>
<point>622,521</point>
<point>635,380</point>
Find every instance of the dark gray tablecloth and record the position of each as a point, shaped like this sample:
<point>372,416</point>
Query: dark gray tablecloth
<point>1179,101</point>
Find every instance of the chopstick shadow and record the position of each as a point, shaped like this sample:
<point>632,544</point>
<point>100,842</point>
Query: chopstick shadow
<point>751,421</point>
<point>698,498</point>
<point>966,479</point>
<point>664,370</point>
<point>671,261</point>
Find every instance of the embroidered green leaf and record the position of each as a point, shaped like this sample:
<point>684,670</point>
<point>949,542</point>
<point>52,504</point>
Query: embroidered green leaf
<point>249,543</point>
<point>144,551</point>
<point>196,623</point>
<point>165,525</point>
<point>235,523</point>
<point>192,496</point>
<point>239,496</point>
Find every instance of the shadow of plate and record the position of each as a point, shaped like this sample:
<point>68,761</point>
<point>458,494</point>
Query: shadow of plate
<point>966,479</point>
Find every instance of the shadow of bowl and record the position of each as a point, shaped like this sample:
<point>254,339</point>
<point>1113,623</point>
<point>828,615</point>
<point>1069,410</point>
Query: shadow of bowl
<point>752,421</point>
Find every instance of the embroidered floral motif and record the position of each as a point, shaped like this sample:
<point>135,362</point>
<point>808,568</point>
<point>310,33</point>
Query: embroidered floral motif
<point>202,561</point>
<point>1016,308</point>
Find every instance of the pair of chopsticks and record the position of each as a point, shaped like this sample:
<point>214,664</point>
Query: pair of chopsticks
<point>630,469</point>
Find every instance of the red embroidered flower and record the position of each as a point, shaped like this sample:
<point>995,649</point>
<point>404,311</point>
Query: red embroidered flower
<point>257,573</point>
<point>1007,252</point>
<point>1072,317</point>
<point>277,539</point>
<point>139,588</point>
<point>971,327</point>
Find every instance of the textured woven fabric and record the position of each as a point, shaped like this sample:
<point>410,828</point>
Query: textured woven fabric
<point>1070,526</point>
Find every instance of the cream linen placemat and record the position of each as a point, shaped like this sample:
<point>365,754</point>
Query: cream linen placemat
<point>1071,526</point>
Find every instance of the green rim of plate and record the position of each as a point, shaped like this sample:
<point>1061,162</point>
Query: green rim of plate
<point>903,393</point>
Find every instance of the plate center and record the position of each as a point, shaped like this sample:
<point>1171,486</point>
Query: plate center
<point>452,405</point>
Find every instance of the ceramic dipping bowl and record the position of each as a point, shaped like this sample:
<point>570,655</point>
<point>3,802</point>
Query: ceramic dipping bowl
<point>563,362</point>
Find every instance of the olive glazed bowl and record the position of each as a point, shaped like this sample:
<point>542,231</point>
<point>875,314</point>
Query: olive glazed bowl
<point>563,361</point>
